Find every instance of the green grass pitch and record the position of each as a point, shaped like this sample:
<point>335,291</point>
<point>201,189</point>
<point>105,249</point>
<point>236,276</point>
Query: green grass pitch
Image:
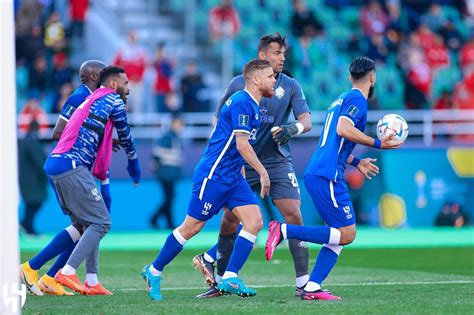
<point>384,281</point>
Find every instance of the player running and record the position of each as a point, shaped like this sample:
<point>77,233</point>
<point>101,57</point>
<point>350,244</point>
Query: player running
<point>85,145</point>
<point>64,242</point>
<point>324,178</point>
<point>276,158</point>
<point>218,182</point>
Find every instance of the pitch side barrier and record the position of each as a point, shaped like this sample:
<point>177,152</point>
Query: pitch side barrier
<point>423,124</point>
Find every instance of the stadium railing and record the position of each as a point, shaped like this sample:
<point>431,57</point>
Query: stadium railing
<point>424,124</point>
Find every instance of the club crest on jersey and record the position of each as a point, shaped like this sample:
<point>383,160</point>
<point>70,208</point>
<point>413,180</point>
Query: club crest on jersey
<point>279,92</point>
<point>243,120</point>
<point>352,111</point>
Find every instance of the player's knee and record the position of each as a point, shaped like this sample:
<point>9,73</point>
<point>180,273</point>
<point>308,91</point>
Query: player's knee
<point>254,226</point>
<point>347,236</point>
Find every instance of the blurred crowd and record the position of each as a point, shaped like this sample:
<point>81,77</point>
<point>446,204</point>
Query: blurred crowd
<point>422,40</point>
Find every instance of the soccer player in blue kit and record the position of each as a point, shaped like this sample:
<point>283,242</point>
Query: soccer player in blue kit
<point>64,242</point>
<point>77,153</point>
<point>273,150</point>
<point>218,181</point>
<point>324,178</point>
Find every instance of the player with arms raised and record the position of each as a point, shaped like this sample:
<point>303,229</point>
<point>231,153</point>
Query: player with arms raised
<point>275,156</point>
<point>218,182</point>
<point>324,178</point>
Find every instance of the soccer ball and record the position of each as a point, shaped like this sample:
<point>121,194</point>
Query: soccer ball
<point>392,124</point>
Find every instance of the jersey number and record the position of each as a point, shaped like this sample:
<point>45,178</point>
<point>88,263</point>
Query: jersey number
<point>327,124</point>
<point>293,179</point>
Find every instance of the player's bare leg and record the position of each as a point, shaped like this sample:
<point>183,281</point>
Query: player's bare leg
<point>290,210</point>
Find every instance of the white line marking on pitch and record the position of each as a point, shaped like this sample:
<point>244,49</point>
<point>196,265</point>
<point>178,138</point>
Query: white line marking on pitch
<point>331,285</point>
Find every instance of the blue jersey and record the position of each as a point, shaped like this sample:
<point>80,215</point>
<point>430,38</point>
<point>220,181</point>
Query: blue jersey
<point>330,158</point>
<point>73,101</point>
<point>84,150</point>
<point>222,161</point>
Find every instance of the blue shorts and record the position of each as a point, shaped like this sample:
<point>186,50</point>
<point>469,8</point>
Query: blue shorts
<point>331,199</point>
<point>209,197</point>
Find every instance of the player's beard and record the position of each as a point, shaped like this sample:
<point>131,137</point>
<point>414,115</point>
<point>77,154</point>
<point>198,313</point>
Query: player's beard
<point>371,91</point>
<point>268,93</point>
<point>123,95</point>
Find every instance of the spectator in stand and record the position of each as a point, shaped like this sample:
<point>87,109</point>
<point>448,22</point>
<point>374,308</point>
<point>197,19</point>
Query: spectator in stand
<point>38,78</point>
<point>467,54</point>
<point>452,37</point>
<point>417,81</point>
<point>464,91</point>
<point>426,37</point>
<point>377,51</point>
<point>32,178</point>
<point>62,73</point>
<point>30,46</point>
<point>77,14</point>
<point>445,101</point>
<point>304,22</point>
<point>434,18</point>
<point>437,55</point>
<point>133,58</point>
<point>394,32</point>
<point>373,19</point>
<point>54,34</point>
<point>29,14</point>
<point>164,70</point>
<point>32,111</point>
<point>224,20</point>
<point>193,90</point>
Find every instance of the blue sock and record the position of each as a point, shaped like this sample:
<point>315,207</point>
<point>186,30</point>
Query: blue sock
<point>242,248</point>
<point>170,250</point>
<point>213,252</point>
<point>61,261</point>
<point>60,243</point>
<point>326,260</point>
<point>312,234</point>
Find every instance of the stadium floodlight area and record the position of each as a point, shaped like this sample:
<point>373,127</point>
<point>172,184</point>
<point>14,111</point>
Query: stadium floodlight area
<point>9,281</point>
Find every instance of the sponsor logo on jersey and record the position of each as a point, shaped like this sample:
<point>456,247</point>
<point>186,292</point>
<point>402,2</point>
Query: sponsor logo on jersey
<point>279,92</point>
<point>243,120</point>
<point>228,102</point>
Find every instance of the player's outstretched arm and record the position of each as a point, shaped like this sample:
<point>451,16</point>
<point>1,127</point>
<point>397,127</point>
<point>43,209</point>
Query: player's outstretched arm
<point>282,134</point>
<point>346,129</point>
<point>248,154</point>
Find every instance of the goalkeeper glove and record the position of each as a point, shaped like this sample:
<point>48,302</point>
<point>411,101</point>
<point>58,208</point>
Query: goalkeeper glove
<point>288,131</point>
